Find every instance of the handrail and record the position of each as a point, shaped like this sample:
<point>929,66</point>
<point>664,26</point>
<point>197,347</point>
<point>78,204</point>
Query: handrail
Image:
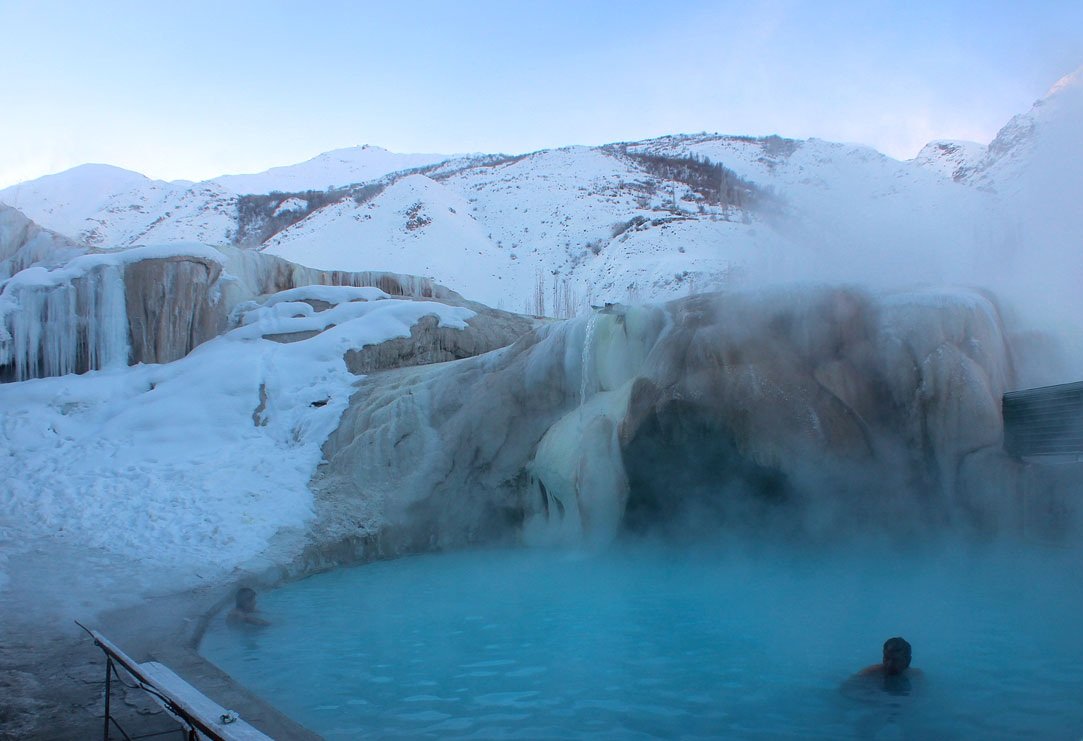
<point>196,726</point>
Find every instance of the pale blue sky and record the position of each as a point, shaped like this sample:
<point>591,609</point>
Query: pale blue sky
<point>195,89</point>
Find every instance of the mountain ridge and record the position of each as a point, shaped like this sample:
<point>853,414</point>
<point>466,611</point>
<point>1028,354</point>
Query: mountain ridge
<point>559,229</point>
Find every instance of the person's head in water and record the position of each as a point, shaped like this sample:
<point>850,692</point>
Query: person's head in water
<point>245,610</point>
<point>896,656</point>
<point>246,602</point>
<point>892,675</point>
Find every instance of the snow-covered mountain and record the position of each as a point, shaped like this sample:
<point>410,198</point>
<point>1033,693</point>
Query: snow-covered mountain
<point>329,170</point>
<point>951,158</point>
<point>556,230</point>
<point>580,223</point>
<point>1034,169</point>
<point>621,222</point>
<point>66,201</point>
<point>106,207</point>
<point>1039,142</point>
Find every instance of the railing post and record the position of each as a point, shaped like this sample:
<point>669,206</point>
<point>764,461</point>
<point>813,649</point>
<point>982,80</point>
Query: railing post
<point>108,687</point>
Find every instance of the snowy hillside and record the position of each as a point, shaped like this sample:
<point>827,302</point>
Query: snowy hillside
<point>108,207</point>
<point>1042,141</point>
<point>851,213</point>
<point>1034,171</point>
<point>951,159</point>
<point>66,201</point>
<point>415,224</point>
<point>591,225</point>
<point>549,232</point>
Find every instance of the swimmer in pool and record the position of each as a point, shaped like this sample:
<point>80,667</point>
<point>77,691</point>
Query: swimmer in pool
<point>896,661</point>
<point>893,674</point>
<point>890,696</point>
<point>245,611</point>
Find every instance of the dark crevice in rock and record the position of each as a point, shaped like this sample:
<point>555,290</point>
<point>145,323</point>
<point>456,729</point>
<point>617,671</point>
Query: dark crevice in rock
<point>687,474</point>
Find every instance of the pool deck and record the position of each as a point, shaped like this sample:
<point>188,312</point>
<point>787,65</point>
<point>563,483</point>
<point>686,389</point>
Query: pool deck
<point>52,680</point>
<point>52,676</point>
<point>52,686</point>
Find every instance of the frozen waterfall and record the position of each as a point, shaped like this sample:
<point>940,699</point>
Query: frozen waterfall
<point>57,323</point>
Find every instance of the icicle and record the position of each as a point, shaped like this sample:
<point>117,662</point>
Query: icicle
<point>106,319</point>
<point>71,326</point>
<point>60,334</point>
<point>586,366</point>
<point>26,331</point>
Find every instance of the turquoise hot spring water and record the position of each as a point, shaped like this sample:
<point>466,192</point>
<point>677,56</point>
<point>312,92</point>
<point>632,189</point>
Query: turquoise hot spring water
<point>662,641</point>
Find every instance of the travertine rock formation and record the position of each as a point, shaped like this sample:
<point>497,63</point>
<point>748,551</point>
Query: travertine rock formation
<point>808,411</point>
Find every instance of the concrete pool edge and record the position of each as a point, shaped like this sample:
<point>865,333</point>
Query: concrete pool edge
<point>169,628</point>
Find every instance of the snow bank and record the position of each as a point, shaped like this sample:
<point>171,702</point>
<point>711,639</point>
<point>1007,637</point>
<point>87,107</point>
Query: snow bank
<point>175,474</point>
<point>387,319</point>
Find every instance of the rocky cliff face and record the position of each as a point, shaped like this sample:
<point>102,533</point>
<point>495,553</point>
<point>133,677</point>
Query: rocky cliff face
<point>171,306</point>
<point>811,412</point>
<point>156,304</point>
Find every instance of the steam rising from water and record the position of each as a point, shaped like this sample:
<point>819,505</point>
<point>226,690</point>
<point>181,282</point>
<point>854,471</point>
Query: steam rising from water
<point>1010,226</point>
<point>701,641</point>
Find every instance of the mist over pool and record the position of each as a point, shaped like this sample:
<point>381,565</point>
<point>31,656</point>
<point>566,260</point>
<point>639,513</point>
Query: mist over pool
<point>673,641</point>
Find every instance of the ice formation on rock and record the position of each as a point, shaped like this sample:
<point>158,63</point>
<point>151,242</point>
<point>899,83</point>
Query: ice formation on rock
<point>57,325</point>
<point>835,406</point>
<point>155,305</point>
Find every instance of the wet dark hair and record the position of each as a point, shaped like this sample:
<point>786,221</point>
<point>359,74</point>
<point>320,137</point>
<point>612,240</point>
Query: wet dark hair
<point>244,594</point>
<point>898,646</point>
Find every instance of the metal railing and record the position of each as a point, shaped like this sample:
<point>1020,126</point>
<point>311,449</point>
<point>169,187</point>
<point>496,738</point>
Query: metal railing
<point>1045,421</point>
<point>193,727</point>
